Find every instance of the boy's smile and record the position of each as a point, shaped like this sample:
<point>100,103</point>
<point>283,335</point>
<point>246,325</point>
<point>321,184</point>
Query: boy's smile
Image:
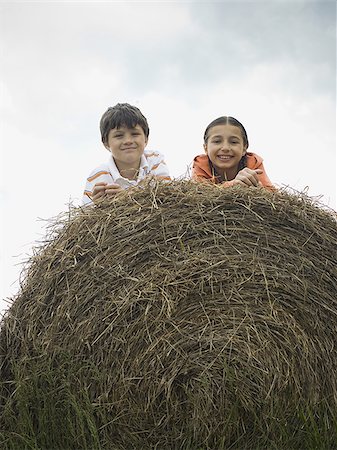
<point>127,146</point>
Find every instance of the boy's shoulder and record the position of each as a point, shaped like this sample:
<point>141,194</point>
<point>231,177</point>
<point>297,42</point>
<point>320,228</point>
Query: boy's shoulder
<point>153,154</point>
<point>102,169</point>
<point>153,162</point>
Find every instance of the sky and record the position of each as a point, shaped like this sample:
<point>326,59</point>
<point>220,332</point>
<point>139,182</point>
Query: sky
<point>271,65</point>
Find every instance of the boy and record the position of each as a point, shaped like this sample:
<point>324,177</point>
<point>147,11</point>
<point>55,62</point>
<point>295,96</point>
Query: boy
<point>125,133</point>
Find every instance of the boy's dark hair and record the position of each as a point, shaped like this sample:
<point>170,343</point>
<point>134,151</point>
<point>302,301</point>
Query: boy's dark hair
<point>121,115</point>
<point>227,120</point>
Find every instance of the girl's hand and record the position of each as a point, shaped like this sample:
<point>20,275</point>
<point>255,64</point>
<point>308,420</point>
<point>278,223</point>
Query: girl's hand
<point>248,177</point>
<point>102,190</point>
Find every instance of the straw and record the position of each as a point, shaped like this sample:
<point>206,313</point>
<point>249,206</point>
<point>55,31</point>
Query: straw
<point>176,316</point>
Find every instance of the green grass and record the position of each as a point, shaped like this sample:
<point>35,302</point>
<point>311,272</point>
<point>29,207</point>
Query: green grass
<point>50,409</point>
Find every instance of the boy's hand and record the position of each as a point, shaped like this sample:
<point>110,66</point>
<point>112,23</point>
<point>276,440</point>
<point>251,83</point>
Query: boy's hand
<point>248,177</point>
<point>104,189</point>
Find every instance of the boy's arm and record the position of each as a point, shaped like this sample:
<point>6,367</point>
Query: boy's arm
<point>97,176</point>
<point>158,167</point>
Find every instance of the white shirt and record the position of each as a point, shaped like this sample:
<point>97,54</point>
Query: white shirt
<point>151,163</point>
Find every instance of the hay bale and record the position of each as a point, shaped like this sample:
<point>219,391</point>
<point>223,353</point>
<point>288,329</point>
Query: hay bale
<point>177,316</point>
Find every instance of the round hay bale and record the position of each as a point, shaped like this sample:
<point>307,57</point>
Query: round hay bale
<point>176,316</point>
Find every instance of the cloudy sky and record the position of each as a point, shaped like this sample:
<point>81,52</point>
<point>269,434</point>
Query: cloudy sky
<point>271,65</point>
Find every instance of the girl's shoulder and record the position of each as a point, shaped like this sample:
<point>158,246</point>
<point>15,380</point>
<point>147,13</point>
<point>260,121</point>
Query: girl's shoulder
<point>253,160</point>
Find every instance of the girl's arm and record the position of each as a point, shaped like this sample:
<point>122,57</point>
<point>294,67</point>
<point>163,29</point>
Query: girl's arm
<point>264,179</point>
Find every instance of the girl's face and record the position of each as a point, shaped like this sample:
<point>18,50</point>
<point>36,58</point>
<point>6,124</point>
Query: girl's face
<point>225,148</point>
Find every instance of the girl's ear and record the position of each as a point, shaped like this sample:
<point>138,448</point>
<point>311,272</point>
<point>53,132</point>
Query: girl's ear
<point>205,148</point>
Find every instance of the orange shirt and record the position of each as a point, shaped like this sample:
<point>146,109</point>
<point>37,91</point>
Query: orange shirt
<point>202,170</point>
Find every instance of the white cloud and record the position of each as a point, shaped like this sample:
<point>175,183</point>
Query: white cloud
<point>92,26</point>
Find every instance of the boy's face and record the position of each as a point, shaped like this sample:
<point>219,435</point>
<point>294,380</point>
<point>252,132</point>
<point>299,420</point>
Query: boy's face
<point>127,146</point>
<point>225,148</point>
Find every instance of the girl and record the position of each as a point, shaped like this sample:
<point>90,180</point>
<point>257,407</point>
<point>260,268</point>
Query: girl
<point>226,160</point>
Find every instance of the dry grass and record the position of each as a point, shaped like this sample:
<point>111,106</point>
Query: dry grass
<point>177,316</point>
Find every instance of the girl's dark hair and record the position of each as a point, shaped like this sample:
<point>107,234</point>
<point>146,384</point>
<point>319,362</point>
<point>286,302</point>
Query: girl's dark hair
<point>227,120</point>
<point>121,115</point>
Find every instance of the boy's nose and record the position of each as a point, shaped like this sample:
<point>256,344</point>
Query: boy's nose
<point>128,138</point>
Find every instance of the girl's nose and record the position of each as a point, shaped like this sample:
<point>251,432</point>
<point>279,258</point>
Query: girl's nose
<point>225,145</point>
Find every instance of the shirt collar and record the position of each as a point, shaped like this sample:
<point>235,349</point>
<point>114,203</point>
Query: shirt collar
<point>143,167</point>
